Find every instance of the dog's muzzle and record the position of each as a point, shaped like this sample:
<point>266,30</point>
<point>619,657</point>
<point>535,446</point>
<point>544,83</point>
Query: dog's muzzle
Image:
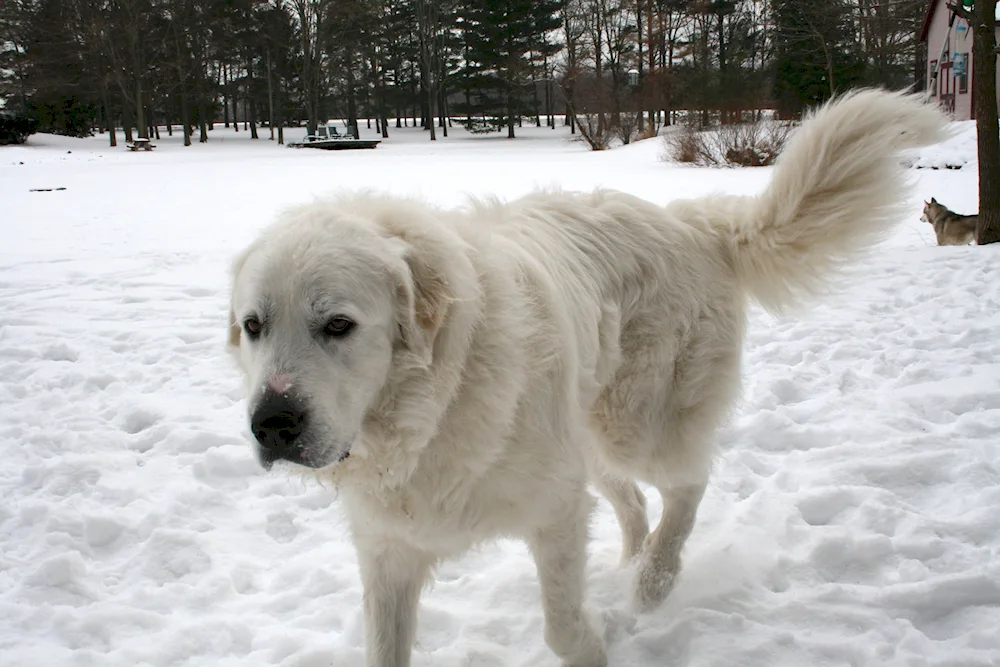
<point>277,423</point>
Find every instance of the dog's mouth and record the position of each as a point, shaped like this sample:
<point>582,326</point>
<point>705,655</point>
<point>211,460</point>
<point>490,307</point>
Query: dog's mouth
<point>269,458</point>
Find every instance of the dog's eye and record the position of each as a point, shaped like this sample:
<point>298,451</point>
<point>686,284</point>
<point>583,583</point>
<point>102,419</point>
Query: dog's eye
<point>338,327</point>
<point>252,326</point>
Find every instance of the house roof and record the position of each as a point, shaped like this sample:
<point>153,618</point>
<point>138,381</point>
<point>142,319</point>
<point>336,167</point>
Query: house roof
<point>929,16</point>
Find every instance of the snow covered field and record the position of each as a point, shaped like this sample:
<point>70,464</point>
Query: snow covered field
<point>854,516</point>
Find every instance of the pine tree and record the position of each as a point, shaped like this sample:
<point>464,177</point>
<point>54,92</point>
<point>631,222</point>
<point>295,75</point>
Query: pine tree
<point>61,99</point>
<point>504,40</point>
<point>817,53</point>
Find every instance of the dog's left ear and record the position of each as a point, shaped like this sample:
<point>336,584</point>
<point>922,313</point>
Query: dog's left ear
<point>235,329</point>
<point>423,295</point>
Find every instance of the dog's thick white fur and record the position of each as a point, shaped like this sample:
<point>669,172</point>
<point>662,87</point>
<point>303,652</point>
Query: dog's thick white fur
<point>484,364</point>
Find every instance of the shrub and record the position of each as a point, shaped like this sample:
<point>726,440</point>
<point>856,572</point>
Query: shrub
<point>16,129</point>
<point>687,145</point>
<point>752,144</point>
<point>595,129</point>
<point>60,114</point>
<point>480,125</point>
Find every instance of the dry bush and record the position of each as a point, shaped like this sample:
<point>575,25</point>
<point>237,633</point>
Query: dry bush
<point>596,130</point>
<point>752,144</point>
<point>627,125</point>
<point>646,134</point>
<point>687,145</point>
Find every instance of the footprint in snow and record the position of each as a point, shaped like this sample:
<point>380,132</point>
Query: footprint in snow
<point>139,419</point>
<point>60,352</point>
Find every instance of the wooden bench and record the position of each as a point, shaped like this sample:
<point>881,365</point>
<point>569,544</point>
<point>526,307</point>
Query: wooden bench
<point>140,144</point>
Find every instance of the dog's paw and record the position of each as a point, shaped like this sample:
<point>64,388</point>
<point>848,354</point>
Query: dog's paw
<point>579,645</point>
<point>617,623</point>
<point>654,582</point>
<point>598,659</point>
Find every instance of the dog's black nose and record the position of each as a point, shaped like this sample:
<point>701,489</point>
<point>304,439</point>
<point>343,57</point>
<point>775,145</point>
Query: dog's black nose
<point>277,423</point>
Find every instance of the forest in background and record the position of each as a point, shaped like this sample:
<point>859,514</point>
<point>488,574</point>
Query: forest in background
<point>613,69</point>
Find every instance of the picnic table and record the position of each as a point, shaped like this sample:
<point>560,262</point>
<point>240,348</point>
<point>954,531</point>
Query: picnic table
<point>140,143</point>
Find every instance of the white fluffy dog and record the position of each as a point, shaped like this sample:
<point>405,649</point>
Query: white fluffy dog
<point>463,375</point>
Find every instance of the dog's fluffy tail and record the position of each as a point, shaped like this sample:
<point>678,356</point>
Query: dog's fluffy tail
<point>836,190</point>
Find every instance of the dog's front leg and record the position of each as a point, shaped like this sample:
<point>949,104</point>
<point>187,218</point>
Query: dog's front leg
<point>560,551</point>
<point>393,575</point>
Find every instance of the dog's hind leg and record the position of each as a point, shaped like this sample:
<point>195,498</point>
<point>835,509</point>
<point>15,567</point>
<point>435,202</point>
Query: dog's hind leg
<point>560,552</point>
<point>660,562</point>
<point>629,503</point>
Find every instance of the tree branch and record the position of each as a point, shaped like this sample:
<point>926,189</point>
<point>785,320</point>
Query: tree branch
<point>960,11</point>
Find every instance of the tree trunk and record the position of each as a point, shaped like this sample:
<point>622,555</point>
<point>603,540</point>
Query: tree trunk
<point>548,92</point>
<point>270,97</point>
<point>182,84</point>
<point>381,119</point>
<point>109,117</point>
<point>225,96</point>
<point>252,99</point>
<point>309,79</point>
<point>279,118</point>
<point>352,106</point>
<point>509,94</point>
<point>140,121</point>
<point>651,54</point>
<point>185,108</point>
<point>185,115</point>
<point>443,112</point>
<point>723,112</point>
<point>427,27</point>
<point>985,98</point>
<point>127,119</point>
<point>509,105</point>
<point>538,104</point>
<point>202,107</point>
<point>431,112</point>
<point>599,72</point>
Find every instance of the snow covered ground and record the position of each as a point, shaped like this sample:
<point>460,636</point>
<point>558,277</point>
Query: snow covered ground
<point>854,516</point>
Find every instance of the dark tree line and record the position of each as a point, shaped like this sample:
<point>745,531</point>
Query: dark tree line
<point>615,68</point>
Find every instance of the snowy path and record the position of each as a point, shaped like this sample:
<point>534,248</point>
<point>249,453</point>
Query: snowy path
<point>854,517</point>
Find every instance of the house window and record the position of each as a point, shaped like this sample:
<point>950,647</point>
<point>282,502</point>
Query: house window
<point>934,75</point>
<point>945,83</point>
<point>962,72</point>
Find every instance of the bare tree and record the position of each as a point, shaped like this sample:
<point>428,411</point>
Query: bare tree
<point>982,19</point>
<point>310,16</point>
<point>427,21</point>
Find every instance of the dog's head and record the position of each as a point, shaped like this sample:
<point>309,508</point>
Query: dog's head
<point>931,210</point>
<point>326,305</point>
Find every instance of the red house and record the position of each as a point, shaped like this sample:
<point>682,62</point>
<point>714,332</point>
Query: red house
<point>950,70</point>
